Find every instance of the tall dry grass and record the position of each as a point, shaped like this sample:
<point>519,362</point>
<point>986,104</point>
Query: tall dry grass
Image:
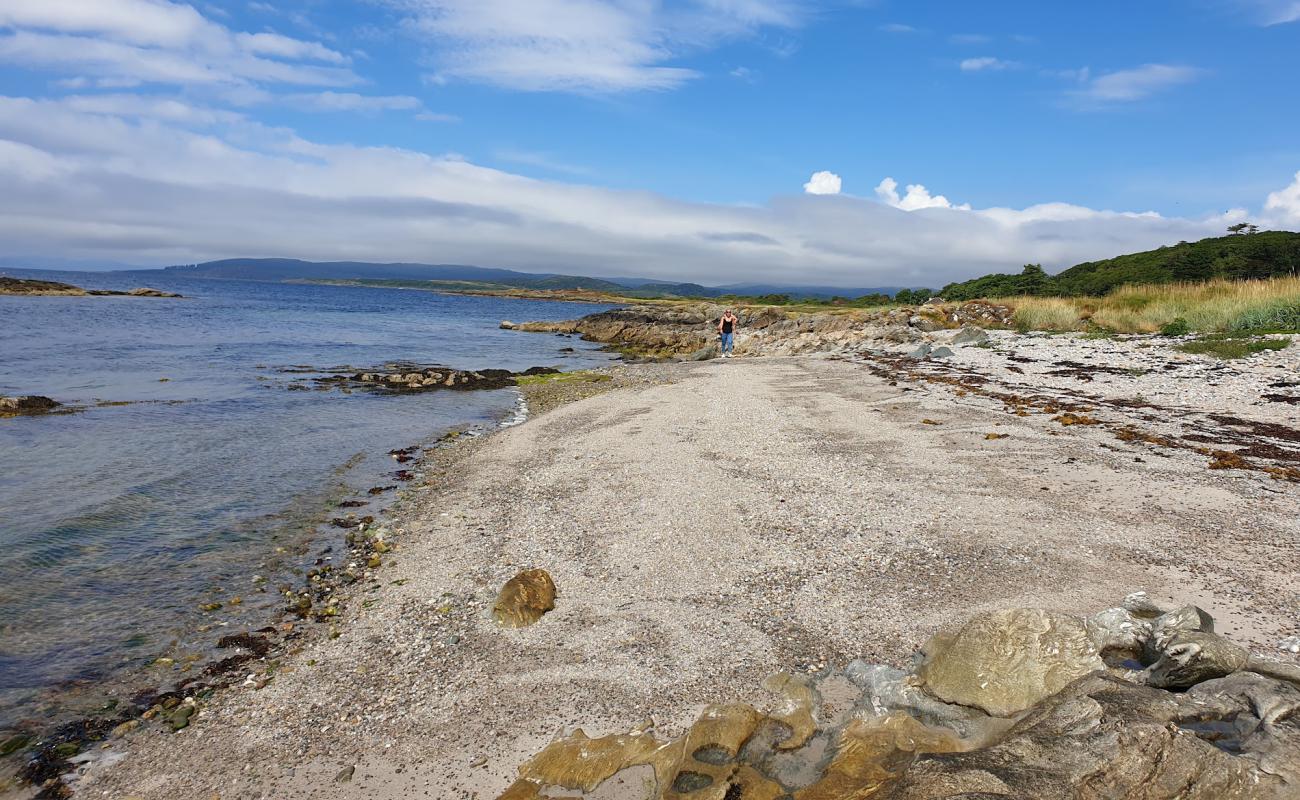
<point>1213,306</point>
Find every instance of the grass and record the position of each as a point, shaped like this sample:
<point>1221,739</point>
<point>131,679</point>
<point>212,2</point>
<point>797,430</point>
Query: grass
<point>1231,345</point>
<point>1047,314</point>
<point>1217,306</point>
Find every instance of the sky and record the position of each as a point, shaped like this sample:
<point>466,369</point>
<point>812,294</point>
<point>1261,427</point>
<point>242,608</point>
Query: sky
<point>835,142</point>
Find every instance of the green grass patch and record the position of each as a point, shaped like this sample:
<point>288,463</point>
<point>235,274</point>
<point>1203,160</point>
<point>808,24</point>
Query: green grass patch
<point>579,376</point>
<point>1232,346</point>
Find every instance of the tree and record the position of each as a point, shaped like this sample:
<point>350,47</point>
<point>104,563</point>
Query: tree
<point>1245,228</point>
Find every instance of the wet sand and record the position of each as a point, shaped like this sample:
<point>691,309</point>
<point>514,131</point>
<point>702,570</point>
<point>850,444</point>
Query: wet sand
<point>708,525</point>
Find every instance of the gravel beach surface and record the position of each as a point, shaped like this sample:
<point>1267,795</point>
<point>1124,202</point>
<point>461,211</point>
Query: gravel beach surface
<point>709,524</point>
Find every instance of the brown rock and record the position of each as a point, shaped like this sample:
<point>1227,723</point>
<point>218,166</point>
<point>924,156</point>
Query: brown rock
<point>524,599</point>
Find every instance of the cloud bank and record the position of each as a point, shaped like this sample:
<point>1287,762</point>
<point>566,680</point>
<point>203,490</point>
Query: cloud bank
<point>131,179</point>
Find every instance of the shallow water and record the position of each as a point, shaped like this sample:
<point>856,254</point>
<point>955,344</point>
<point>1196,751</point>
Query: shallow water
<point>193,467</point>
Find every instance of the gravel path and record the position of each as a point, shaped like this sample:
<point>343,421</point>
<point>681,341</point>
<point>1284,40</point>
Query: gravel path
<point>707,525</point>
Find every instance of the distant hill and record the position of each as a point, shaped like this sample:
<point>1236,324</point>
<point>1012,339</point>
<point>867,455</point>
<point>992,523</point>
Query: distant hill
<point>458,276</point>
<point>290,269</point>
<point>1237,257</point>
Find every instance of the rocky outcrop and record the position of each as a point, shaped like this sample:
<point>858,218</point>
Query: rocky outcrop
<point>34,288</point>
<point>689,330</point>
<point>1020,703</point>
<point>416,378</point>
<point>26,404</point>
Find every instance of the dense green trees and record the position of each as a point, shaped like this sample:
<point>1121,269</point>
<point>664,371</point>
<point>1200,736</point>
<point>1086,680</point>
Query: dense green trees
<point>913,296</point>
<point>1241,256</point>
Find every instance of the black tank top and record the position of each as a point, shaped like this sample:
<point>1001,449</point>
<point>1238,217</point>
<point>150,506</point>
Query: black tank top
<point>726,326</point>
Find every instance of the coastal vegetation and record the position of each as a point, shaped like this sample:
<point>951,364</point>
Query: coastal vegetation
<point>1239,256</point>
<point>1174,309</point>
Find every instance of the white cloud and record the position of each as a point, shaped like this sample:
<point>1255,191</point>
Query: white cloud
<point>1271,12</point>
<point>581,45</point>
<point>898,27</point>
<point>917,197</point>
<point>985,63</point>
<point>275,45</point>
<point>127,42</point>
<point>142,22</point>
<point>350,101</point>
<point>823,183</point>
<point>162,185</point>
<point>1135,84</point>
<point>1283,206</point>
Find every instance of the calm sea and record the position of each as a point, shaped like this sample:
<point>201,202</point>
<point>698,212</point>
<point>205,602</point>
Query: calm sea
<point>194,471</point>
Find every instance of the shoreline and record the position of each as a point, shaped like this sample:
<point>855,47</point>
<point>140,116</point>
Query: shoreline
<point>141,695</point>
<point>461,616</point>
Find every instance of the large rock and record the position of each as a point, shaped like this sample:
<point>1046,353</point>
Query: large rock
<point>1004,662</point>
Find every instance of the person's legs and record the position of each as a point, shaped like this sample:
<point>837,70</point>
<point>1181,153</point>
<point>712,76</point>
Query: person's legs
<point>726,343</point>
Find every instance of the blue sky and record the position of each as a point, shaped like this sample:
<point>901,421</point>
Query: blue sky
<point>675,138</point>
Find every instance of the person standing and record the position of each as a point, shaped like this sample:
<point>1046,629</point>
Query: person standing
<point>727,331</point>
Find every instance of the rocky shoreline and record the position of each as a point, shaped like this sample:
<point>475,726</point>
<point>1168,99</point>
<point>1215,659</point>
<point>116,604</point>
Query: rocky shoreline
<point>1020,702</point>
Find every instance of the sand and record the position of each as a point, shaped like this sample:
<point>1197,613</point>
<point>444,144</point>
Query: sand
<point>707,525</point>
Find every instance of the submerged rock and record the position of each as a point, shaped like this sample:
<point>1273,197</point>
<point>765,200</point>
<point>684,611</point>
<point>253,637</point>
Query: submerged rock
<point>26,404</point>
<point>415,378</point>
<point>524,599</point>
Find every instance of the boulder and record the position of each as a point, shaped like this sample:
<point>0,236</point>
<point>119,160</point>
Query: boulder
<point>507,325</point>
<point>941,352</point>
<point>970,334</point>
<point>921,352</point>
<point>1004,662</point>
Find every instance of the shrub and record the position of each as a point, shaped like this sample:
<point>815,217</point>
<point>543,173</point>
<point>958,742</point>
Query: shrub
<point>1176,327</point>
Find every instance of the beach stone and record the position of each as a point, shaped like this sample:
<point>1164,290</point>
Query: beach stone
<point>941,352</point>
<point>180,718</point>
<point>705,353</point>
<point>920,352</point>
<point>1004,662</point>
<point>507,325</point>
<point>524,599</point>
<point>970,334</point>
<point>923,323</point>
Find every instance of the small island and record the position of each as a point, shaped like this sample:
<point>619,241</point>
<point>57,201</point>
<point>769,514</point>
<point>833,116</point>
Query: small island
<point>34,288</point>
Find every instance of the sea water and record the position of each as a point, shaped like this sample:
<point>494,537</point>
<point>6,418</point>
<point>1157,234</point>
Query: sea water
<point>202,457</point>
